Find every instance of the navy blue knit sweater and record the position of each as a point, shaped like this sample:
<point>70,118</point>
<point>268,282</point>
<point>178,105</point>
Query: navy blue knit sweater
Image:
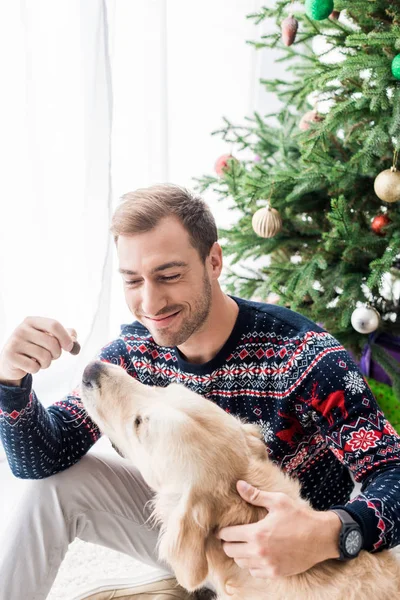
<point>318,417</point>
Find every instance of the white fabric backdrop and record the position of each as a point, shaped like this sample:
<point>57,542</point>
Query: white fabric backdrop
<point>102,97</point>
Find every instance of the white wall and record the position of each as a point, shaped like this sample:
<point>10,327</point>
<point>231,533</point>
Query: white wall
<point>210,72</point>
<point>158,75</point>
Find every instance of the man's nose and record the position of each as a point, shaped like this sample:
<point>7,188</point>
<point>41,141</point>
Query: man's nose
<point>91,374</point>
<point>152,300</point>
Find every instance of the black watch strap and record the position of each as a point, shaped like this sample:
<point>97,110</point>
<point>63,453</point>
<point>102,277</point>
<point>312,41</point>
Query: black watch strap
<point>351,539</point>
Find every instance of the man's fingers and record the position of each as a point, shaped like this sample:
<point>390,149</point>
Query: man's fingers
<point>52,328</point>
<point>238,551</point>
<point>238,533</point>
<point>41,344</point>
<point>72,332</point>
<point>257,497</point>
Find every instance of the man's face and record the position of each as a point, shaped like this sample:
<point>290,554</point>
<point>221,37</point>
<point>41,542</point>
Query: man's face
<point>168,288</point>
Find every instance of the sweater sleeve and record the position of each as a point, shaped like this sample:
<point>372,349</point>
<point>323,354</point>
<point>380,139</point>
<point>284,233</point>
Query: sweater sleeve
<point>361,438</point>
<point>40,441</point>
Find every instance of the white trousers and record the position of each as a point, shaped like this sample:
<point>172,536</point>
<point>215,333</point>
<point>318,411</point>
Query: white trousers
<point>100,499</point>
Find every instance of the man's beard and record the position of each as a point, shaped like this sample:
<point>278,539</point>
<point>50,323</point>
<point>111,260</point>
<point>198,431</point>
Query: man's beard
<point>200,310</point>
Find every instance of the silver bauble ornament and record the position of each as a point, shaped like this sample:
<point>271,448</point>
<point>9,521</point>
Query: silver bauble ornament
<point>365,319</point>
<point>267,222</point>
<point>387,185</point>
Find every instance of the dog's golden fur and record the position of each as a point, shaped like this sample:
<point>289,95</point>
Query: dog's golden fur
<point>192,453</point>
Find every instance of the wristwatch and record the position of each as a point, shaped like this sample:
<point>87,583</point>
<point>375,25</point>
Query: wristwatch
<point>351,538</point>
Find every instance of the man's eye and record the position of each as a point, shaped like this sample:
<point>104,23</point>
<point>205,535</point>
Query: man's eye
<point>166,278</point>
<point>170,278</point>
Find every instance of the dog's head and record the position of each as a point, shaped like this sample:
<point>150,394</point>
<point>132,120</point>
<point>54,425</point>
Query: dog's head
<point>174,436</point>
<point>187,448</point>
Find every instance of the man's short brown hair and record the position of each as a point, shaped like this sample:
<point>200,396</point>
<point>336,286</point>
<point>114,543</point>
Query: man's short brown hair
<point>143,209</point>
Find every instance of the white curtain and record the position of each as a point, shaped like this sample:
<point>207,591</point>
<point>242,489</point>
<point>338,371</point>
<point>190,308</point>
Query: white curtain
<point>100,97</point>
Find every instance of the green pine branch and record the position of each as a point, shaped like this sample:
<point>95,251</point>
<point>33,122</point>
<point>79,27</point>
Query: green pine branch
<point>327,258</point>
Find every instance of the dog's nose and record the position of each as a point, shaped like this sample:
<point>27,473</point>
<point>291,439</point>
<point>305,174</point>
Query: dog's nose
<point>91,374</point>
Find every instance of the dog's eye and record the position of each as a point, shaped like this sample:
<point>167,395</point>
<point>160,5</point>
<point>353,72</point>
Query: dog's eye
<point>138,421</point>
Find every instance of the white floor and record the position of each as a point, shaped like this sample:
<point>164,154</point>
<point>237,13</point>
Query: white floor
<point>85,564</point>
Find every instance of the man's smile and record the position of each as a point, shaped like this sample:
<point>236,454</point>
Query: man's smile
<point>161,322</point>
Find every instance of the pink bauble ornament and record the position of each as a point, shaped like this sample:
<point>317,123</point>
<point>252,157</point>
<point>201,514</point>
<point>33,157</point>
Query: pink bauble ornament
<point>311,116</point>
<point>272,298</point>
<point>289,27</point>
<point>221,164</point>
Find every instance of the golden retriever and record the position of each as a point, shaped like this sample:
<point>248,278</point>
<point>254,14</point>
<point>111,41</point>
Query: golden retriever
<point>192,453</point>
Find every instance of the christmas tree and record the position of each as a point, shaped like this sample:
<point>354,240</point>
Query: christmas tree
<point>316,185</point>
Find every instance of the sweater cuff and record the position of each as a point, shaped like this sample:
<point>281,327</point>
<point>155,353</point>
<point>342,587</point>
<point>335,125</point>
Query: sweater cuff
<point>368,519</point>
<point>15,398</point>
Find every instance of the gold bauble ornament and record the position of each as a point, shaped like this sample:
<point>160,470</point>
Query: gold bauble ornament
<point>387,185</point>
<point>267,222</point>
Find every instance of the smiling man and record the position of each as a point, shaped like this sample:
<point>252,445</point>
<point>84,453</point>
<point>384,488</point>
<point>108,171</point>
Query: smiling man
<point>179,300</point>
<point>262,362</point>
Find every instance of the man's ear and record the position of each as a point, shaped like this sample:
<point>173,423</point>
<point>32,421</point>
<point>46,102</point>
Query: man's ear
<point>183,541</point>
<point>215,259</point>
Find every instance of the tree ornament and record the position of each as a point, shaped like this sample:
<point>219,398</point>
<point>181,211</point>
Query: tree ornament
<point>309,117</point>
<point>387,185</point>
<point>319,9</point>
<point>222,165</point>
<point>266,222</point>
<point>365,319</point>
<point>379,222</point>
<point>272,298</point>
<point>290,26</point>
<point>396,66</point>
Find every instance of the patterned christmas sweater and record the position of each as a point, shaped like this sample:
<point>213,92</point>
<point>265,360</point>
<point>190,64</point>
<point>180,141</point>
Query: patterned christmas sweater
<point>319,419</point>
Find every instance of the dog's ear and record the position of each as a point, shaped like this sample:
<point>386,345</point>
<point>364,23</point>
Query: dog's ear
<point>183,541</point>
<point>255,441</point>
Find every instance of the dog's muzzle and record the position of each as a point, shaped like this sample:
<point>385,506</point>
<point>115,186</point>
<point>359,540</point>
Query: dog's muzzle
<point>92,373</point>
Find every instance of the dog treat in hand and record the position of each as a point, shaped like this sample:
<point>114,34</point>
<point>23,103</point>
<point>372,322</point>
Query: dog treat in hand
<point>76,348</point>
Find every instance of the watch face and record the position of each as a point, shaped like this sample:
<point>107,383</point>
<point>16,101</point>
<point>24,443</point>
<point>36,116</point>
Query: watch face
<point>353,542</point>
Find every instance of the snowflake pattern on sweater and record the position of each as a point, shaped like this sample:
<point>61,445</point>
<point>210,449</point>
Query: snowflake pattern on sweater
<point>318,417</point>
